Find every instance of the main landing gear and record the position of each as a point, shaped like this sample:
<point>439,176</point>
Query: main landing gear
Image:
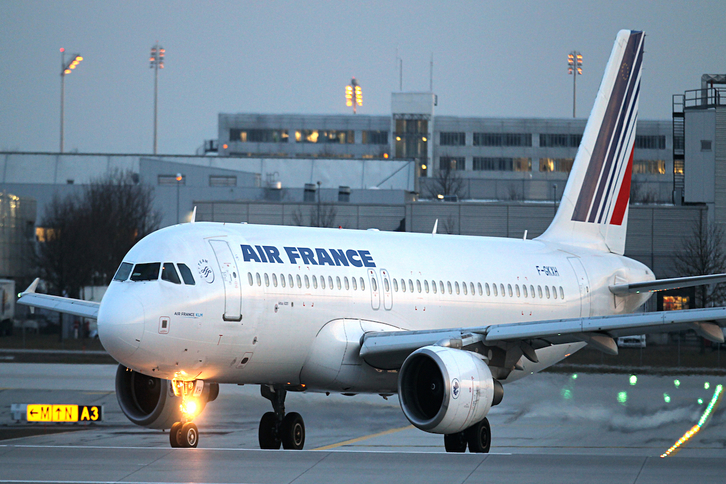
<point>184,435</point>
<point>478,437</point>
<point>277,428</point>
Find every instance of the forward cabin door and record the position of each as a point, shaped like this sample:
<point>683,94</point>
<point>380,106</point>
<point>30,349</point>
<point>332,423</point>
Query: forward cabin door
<point>584,285</point>
<point>387,296</point>
<point>231,280</point>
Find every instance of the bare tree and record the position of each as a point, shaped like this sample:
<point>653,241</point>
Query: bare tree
<point>321,215</point>
<point>446,182</point>
<point>87,236</point>
<point>448,224</point>
<point>639,193</point>
<point>702,253</point>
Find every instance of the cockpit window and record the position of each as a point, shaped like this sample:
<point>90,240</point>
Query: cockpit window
<point>168,273</point>
<point>146,272</point>
<point>123,271</point>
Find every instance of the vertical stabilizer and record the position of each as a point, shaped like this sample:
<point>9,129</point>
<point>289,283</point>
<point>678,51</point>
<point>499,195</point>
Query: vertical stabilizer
<point>594,207</point>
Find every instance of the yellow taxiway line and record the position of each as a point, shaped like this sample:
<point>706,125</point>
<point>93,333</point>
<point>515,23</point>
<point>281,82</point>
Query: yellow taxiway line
<point>353,441</point>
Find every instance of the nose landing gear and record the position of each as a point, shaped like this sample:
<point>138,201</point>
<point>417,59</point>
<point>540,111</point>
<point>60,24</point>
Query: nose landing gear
<point>276,428</point>
<point>186,433</point>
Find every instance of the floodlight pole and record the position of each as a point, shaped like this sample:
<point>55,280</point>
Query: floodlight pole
<point>66,68</point>
<point>156,62</point>
<point>574,64</point>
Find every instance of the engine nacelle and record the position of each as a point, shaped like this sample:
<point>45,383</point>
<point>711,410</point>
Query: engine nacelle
<point>150,402</point>
<point>445,390</point>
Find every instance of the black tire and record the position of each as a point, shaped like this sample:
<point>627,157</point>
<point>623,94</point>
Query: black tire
<point>479,437</point>
<point>174,434</point>
<point>292,431</point>
<point>189,435</point>
<point>455,442</point>
<point>268,433</point>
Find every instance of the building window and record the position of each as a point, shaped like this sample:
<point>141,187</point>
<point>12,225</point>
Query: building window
<point>163,180</point>
<point>550,140</point>
<point>222,181</point>
<point>375,137</point>
<point>502,139</point>
<point>649,167</point>
<point>452,139</point>
<point>650,142</point>
<point>245,135</point>
<point>560,165</point>
<point>330,136</point>
<point>705,145</point>
<point>502,164</point>
<point>452,163</point>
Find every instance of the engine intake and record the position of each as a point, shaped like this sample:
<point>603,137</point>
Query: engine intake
<point>445,390</point>
<point>150,402</point>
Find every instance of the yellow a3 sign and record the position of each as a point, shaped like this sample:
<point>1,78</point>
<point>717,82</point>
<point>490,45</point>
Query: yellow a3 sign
<point>64,413</point>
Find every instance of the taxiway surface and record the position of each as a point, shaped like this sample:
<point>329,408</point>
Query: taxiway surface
<point>550,427</point>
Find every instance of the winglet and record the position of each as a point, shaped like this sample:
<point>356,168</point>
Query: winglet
<point>194,215</point>
<point>32,287</point>
<point>436,225</point>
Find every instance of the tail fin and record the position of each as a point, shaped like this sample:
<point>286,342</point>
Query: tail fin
<point>594,207</point>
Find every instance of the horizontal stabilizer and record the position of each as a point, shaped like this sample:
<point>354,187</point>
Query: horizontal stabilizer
<point>664,284</point>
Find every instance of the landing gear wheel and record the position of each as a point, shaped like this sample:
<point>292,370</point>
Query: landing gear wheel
<point>268,432</point>
<point>455,442</point>
<point>292,431</point>
<point>174,434</point>
<point>479,437</point>
<point>189,435</point>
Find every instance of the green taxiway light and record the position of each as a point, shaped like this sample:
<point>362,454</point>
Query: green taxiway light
<point>623,397</point>
<point>633,379</point>
<point>667,398</point>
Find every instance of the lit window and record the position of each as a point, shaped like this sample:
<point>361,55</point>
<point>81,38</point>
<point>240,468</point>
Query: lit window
<point>516,289</point>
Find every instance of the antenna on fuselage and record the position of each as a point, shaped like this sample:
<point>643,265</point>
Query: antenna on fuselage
<point>194,215</point>
<point>436,225</point>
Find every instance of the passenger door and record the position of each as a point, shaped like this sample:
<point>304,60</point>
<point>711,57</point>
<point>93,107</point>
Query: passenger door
<point>386,289</point>
<point>231,280</point>
<point>375,289</point>
<point>584,285</point>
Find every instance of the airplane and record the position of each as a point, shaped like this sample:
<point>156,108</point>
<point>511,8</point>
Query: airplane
<point>443,321</point>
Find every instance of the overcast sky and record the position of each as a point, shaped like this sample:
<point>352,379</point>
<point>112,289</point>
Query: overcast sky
<point>490,59</point>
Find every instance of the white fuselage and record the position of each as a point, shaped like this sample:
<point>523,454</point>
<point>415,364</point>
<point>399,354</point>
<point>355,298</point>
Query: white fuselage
<point>239,323</point>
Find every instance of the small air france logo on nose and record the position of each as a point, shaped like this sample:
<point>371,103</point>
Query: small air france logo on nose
<point>455,388</point>
<point>205,271</point>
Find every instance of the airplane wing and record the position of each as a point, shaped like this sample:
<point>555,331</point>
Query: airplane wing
<point>388,350</point>
<point>76,307</point>
<point>663,284</point>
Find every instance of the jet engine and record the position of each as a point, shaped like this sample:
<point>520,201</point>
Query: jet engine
<point>150,402</point>
<point>445,390</point>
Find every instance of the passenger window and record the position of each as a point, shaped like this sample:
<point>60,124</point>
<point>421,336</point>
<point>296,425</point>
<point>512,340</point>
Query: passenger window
<point>494,286</point>
<point>347,285</point>
<point>374,284</point>
<point>554,292</point>
<point>463,285</point>
<point>509,286</point>
<point>448,285</point>
<point>337,283</point>
<point>516,289</point>
<point>471,287</point>
<point>386,285</point>
<point>315,282</point>
<point>501,289</point>
<point>547,291</point>
<point>403,285</point>
<point>307,282</point>
<point>395,285</point>
<point>531,291</point>
<point>362,284</point>
<point>299,282</point>
<point>433,286</point>
<point>274,279</point>
<point>123,271</point>
<point>168,273</point>
<point>259,280</point>
<point>249,278</point>
<point>146,272</point>
<point>524,289</point>
<point>539,291</point>
<point>186,274</point>
<point>267,280</point>
<point>410,285</point>
<point>322,282</point>
<point>426,286</point>
<point>418,286</point>
<point>282,280</point>
<point>330,282</point>
<point>355,284</point>
<point>441,286</point>
<point>562,293</point>
<point>486,285</point>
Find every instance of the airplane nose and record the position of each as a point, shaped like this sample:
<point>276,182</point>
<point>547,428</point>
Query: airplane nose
<point>121,325</point>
